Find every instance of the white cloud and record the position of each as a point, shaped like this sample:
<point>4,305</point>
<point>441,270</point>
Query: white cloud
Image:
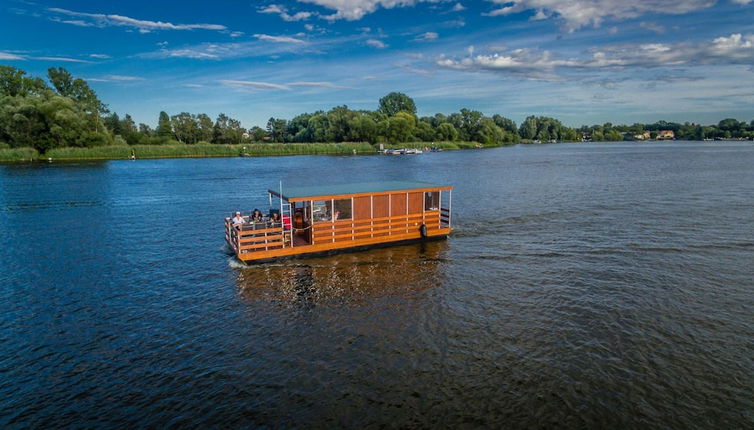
<point>427,37</point>
<point>353,10</point>
<point>193,85</point>
<point>458,7</point>
<point>143,26</point>
<point>278,39</point>
<point>282,11</point>
<point>317,84</point>
<point>7,56</point>
<point>188,53</point>
<point>733,49</point>
<point>415,70</point>
<point>374,43</point>
<point>235,34</point>
<point>651,26</point>
<point>124,78</point>
<point>581,13</point>
<point>64,59</point>
<point>100,56</point>
<point>253,84</point>
<point>116,78</point>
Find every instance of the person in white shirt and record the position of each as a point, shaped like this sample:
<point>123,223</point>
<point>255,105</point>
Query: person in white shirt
<point>238,220</point>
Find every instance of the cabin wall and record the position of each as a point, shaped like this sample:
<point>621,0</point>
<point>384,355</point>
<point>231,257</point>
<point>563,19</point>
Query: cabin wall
<point>415,203</point>
<point>381,206</point>
<point>398,204</point>
<point>362,207</point>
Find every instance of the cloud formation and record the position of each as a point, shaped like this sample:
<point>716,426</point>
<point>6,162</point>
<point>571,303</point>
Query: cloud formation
<point>282,11</point>
<point>736,49</point>
<point>271,86</point>
<point>143,26</point>
<point>354,10</point>
<point>116,78</point>
<point>278,39</point>
<point>374,43</point>
<point>9,56</point>
<point>427,37</point>
<point>582,13</point>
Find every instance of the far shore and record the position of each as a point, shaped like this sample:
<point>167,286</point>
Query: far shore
<point>135,152</point>
<point>125,152</point>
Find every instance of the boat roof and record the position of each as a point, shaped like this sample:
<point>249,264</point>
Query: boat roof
<point>312,192</point>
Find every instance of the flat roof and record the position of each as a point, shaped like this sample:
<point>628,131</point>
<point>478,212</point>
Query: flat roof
<point>353,188</point>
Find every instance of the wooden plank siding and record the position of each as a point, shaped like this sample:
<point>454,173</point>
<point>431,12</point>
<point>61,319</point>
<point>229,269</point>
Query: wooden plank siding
<point>362,207</point>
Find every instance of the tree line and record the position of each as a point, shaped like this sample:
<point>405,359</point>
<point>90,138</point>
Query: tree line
<point>65,112</point>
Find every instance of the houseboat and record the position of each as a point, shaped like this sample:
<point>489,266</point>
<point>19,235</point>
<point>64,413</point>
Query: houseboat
<point>320,219</point>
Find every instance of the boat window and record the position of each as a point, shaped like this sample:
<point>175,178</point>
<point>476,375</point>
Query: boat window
<point>431,200</point>
<point>321,210</point>
<point>343,209</point>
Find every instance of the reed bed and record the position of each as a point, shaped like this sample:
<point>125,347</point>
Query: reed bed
<point>206,150</point>
<point>18,154</point>
<point>441,145</point>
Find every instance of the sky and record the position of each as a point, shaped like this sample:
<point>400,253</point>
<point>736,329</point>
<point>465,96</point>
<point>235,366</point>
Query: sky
<point>581,61</point>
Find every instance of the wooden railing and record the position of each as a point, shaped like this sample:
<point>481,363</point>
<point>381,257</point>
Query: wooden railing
<point>250,237</point>
<point>349,230</point>
<point>445,217</point>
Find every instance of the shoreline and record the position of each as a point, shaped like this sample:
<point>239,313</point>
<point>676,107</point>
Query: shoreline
<point>137,152</point>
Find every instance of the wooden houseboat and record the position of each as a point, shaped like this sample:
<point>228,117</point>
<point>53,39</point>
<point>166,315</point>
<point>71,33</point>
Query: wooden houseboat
<point>317,219</point>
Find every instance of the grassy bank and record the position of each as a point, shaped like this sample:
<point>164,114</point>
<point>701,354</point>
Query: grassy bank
<point>205,150</point>
<point>18,154</point>
<point>441,145</point>
<point>116,152</point>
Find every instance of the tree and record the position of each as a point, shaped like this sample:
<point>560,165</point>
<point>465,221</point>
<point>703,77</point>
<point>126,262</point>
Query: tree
<point>205,125</point>
<point>276,129</point>
<point>164,127</point>
<point>13,82</point>
<point>394,102</point>
<point>185,127</point>
<point>446,132</point>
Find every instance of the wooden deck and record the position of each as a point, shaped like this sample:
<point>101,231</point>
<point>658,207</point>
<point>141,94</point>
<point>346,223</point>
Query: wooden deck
<point>262,244</point>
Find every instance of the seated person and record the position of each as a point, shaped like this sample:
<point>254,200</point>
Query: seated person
<point>256,216</point>
<point>238,220</point>
<point>274,219</point>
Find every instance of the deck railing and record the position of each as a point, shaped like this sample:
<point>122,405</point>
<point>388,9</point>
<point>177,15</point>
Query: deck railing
<point>445,217</point>
<point>252,237</point>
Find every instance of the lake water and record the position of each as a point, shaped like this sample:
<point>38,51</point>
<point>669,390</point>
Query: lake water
<point>585,285</point>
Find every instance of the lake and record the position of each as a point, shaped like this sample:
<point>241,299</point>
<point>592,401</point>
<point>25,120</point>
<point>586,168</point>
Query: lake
<point>584,285</point>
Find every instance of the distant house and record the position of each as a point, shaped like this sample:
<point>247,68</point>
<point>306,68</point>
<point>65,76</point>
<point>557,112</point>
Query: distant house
<point>665,135</point>
<point>642,136</point>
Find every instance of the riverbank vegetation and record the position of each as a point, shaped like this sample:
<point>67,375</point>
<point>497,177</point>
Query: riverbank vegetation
<point>62,118</point>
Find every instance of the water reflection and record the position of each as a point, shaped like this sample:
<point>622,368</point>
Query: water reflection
<point>348,277</point>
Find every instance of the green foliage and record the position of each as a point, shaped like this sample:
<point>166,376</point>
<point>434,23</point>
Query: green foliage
<point>17,154</point>
<point>205,149</point>
<point>394,102</point>
<point>94,153</point>
<point>164,126</point>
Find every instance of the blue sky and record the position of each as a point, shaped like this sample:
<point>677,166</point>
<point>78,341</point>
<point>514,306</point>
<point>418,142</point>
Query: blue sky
<point>581,61</point>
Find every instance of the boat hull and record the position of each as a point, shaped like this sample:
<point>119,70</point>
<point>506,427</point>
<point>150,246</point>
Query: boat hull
<point>342,246</point>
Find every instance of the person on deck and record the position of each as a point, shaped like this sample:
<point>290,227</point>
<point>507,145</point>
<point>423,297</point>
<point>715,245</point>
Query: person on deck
<point>256,216</point>
<point>238,220</point>
<point>274,219</point>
